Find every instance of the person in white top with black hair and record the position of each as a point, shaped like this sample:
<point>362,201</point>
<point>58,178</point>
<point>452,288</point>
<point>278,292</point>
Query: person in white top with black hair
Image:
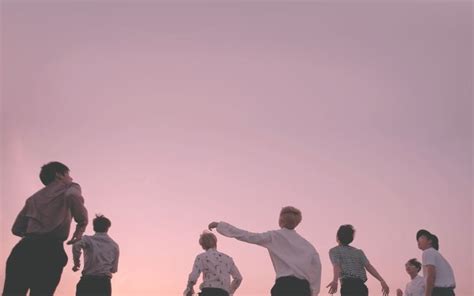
<point>416,287</point>
<point>295,260</point>
<point>216,267</point>
<point>436,269</point>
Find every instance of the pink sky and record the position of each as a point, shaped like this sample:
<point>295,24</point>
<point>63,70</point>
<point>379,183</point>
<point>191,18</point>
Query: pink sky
<point>174,115</point>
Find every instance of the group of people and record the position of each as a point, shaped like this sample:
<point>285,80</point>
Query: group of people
<point>37,261</point>
<point>298,267</point>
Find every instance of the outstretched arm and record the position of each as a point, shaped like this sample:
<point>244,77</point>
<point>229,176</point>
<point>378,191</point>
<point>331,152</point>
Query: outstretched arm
<point>375,274</point>
<point>78,211</point>
<point>250,237</point>
<point>193,276</point>
<point>336,273</point>
<point>76,254</point>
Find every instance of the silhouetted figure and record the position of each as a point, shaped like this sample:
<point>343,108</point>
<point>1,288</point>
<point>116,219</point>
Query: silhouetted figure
<point>216,267</point>
<point>350,265</point>
<point>101,255</point>
<point>416,286</point>
<point>37,261</point>
<point>295,260</point>
<point>437,271</point>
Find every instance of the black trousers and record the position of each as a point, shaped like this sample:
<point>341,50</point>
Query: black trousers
<point>94,286</point>
<point>34,264</point>
<point>213,292</point>
<point>291,286</point>
<point>353,287</point>
<point>442,291</point>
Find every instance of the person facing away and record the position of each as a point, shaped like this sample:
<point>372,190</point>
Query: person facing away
<point>216,267</point>
<point>295,260</point>
<point>437,271</point>
<point>350,265</point>
<point>37,260</point>
<point>101,255</point>
<point>416,287</point>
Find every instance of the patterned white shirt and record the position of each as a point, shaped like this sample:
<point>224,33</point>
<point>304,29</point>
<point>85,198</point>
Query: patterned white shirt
<point>416,287</point>
<point>352,261</point>
<point>217,268</point>
<point>291,254</point>
<point>101,254</point>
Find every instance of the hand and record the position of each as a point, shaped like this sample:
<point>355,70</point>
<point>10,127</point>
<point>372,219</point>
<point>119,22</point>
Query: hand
<point>385,288</point>
<point>399,292</point>
<point>76,268</point>
<point>188,292</point>
<point>332,287</point>
<point>213,225</point>
<point>74,239</point>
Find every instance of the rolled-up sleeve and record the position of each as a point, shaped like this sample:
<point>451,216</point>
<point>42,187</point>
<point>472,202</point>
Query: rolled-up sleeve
<point>315,277</point>
<point>78,210</point>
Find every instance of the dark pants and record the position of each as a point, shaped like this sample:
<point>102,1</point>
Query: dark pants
<point>213,292</point>
<point>353,287</point>
<point>291,286</point>
<point>94,286</point>
<point>442,291</point>
<point>35,264</point>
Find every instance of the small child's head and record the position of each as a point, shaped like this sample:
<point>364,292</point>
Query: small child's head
<point>290,217</point>
<point>101,223</point>
<point>413,267</point>
<point>208,240</point>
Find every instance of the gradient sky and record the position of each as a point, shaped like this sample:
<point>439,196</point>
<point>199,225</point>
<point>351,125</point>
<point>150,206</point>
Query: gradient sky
<point>174,115</point>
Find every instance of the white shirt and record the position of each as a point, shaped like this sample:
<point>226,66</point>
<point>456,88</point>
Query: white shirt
<point>416,287</point>
<point>444,273</point>
<point>101,254</point>
<point>291,254</point>
<point>217,268</point>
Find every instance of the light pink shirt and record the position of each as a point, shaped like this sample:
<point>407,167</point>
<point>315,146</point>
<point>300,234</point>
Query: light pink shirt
<point>101,254</point>
<point>50,211</point>
<point>291,254</point>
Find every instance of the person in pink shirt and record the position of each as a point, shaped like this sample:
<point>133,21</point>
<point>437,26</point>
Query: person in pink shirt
<point>36,262</point>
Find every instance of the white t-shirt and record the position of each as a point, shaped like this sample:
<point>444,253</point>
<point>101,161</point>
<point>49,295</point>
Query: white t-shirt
<point>416,287</point>
<point>444,272</point>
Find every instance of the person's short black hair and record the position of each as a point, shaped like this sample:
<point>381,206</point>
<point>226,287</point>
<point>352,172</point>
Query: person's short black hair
<point>433,238</point>
<point>415,263</point>
<point>48,171</point>
<point>101,223</point>
<point>345,234</point>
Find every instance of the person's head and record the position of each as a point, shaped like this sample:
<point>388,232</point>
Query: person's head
<point>53,171</point>
<point>290,217</point>
<point>426,240</point>
<point>345,234</point>
<point>208,240</point>
<point>413,267</point>
<point>101,223</point>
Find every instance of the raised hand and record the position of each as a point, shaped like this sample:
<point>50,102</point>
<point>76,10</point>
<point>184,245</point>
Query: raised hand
<point>213,225</point>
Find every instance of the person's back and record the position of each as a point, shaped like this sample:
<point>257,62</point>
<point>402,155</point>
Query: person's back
<point>101,255</point>
<point>351,260</point>
<point>217,269</point>
<point>37,261</point>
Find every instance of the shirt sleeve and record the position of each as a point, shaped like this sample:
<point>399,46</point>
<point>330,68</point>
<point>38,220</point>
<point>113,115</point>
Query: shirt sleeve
<point>77,250</point>
<point>228,230</point>
<point>363,258</point>
<point>79,212</point>
<point>315,280</point>
<point>334,257</point>
<point>236,278</point>
<point>116,260</point>
<point>428,258</point>
<point>194,275</point>
<point>21,223</point>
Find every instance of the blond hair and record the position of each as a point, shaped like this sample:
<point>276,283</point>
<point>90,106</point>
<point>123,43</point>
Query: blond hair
<point>290,217</point>
<point>207,240</point>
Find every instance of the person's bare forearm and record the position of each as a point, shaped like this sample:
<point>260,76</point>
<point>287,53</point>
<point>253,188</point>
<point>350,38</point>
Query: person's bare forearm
<point>336,273</point>
<point>430,279</point>
<point>374,272</point>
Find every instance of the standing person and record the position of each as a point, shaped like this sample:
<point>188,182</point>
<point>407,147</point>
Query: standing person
<point>217,268</point>
<point>436,270</point>
<point>37,261</point>
<point>101,255</point>
<point>350,265</point>
<point>295,260</point>
<point>416,287</point>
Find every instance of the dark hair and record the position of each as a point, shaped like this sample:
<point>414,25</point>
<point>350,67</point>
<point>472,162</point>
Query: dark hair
<point>345,234</point>
<point>48,171</point>
<point>415,263</point>
<point>433,238</point>
<point>101,223</point>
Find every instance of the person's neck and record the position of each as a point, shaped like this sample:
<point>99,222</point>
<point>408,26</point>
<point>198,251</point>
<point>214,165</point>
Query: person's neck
<point>413,275</point>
